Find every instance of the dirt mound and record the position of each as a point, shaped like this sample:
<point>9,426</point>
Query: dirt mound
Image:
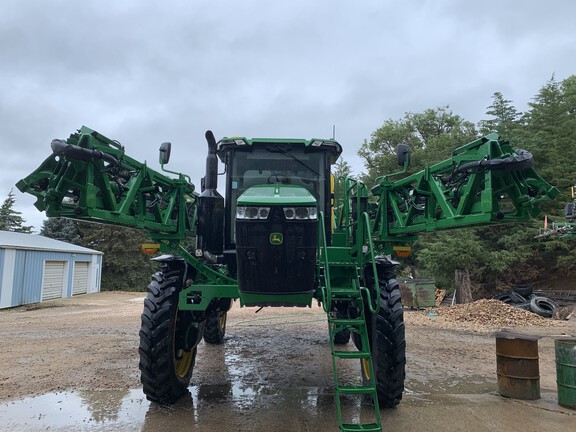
<point>481,315</point>
<point>492,312</point>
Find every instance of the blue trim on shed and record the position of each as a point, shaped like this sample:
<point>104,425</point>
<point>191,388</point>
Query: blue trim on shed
<point>2,254</point>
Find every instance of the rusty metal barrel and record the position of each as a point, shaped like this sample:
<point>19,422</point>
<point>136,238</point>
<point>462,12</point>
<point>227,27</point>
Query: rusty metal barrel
<point>517,366</point>
<point>565,350</point>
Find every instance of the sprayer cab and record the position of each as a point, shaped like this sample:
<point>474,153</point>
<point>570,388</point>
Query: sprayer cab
<point>275,191</point>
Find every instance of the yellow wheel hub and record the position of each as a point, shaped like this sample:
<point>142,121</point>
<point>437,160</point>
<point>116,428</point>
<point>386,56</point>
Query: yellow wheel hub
<point>366,369</point>
<point>222,321</point>
<point>182,359</point>
<point>182,362</point>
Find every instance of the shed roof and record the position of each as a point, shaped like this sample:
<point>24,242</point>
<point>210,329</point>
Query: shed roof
<point>14,240</point>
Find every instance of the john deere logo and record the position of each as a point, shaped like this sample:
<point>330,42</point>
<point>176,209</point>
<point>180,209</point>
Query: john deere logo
<point>276,238</point>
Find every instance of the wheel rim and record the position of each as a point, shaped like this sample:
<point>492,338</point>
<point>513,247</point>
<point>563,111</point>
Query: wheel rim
<point>182,362</point>
<point>222,321</point>
<point>366,369</point>
<point>182,359</point>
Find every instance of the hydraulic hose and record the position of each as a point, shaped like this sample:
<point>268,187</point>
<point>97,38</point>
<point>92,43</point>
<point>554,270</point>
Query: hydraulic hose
<point>62,148</point>
<point>523,160</point>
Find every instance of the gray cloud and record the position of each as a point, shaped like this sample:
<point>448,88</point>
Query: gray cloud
<point>145,72</point>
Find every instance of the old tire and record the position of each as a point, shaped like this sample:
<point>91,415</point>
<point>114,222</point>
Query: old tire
<point>525,290</point>
<point>511,298</point>
<point>543,306</point>
<point>386,332</point>
<point>165,365</point>
<point>215,328</point>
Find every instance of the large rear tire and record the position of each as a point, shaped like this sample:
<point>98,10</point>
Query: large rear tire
<point>167,350</point>
<point>343,336</point>
<point>386,334</point>
<point>215,328</point>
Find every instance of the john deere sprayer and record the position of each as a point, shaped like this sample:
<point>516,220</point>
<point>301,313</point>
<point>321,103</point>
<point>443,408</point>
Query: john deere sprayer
<point>287,233</point>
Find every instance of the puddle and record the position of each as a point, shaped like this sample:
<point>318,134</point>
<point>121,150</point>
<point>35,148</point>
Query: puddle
<point>75,411</point>
<point>456,385</point>
<point>206,406</point>
<point>241,408</point>
<point>128,410</point>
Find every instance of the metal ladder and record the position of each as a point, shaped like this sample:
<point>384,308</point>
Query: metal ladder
<point>342,284</point>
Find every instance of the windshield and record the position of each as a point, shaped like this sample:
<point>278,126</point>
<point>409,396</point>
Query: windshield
<point>274,164</point>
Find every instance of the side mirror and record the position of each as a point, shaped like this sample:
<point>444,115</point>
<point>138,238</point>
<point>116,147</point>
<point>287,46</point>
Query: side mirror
<point>403,154</point>
<point>165,153</point>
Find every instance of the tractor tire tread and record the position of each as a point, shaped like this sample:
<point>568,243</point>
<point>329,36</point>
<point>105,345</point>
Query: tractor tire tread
<point>157,371</point>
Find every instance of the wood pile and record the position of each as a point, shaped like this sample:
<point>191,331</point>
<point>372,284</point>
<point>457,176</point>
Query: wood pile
<point>491,313</point>
<point>440,295</point>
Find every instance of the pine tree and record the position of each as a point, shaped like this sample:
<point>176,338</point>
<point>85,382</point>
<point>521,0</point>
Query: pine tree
<point>10,219</point>
<point>62,229</point>
<point>124,266</point>
<point>506,118</point>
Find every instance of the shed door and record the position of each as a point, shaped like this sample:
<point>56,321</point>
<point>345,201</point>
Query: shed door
<point>80,278</point>
<point>53,283</point>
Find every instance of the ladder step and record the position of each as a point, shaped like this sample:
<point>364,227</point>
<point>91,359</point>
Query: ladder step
<point>368,427</point>
<point>351,354</point>
<point>343,264</point>
<point>345,291</point>
<point>353,322</point>
<point>356,390</point>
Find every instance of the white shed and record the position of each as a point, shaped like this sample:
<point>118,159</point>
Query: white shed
<point>34,268</point>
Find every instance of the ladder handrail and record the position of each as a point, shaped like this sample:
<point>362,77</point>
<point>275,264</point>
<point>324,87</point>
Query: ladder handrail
<point>326,293</point>
<point>371,307</point>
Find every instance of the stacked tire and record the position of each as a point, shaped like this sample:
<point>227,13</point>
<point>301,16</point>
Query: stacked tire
<point>523,297</point>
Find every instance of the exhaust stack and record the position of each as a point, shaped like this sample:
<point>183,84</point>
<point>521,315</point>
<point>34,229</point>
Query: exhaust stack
<point>210,217</point>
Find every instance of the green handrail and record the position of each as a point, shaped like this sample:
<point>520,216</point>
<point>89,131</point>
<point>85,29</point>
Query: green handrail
<point>323,249</point>
<point>371,307</point>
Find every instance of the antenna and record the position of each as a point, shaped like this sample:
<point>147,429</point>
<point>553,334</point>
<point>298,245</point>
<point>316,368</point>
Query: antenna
<point>333,131</point>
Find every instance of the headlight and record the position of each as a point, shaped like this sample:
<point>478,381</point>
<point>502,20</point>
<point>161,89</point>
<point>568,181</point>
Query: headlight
<point>252,212</point>
<point>300,213</point>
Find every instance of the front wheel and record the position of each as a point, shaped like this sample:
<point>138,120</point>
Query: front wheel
<point>387,339</point>
<point>168,340</point>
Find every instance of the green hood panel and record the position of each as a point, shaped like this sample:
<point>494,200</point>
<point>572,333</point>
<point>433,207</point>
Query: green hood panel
<point>277,194</point>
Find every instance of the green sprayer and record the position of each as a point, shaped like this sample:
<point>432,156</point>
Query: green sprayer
<point>286,234</point>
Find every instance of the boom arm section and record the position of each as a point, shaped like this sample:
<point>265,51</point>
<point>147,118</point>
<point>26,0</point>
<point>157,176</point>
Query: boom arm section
<point>89,177</point>
<point>484,182</point>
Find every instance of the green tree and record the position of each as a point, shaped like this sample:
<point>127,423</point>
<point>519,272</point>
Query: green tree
<point>62,229</point>
<point>431,135</point>
<point>10,219</point>
<point>341,170</point>
<point>550,132</point>
<point>496,257</point>
<point>124,266</point>
<point>506,119</point>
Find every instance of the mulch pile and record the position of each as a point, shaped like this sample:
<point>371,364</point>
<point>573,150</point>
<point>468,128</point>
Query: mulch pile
<point>491,312</point>
<point>481,315</point>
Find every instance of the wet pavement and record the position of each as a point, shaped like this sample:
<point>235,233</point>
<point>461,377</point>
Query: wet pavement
<point>273,373</point>
<point>471,405</point>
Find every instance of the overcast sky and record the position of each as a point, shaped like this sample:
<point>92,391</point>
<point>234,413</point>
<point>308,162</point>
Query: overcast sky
<point>144,72</point>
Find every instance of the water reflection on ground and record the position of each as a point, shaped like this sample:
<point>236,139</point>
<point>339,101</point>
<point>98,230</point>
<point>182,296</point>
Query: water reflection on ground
<point>470,402</point>
<point>128,410</point>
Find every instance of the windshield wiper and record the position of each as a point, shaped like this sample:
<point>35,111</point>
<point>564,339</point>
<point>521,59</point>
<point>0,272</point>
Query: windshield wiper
<point>277,149</point>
